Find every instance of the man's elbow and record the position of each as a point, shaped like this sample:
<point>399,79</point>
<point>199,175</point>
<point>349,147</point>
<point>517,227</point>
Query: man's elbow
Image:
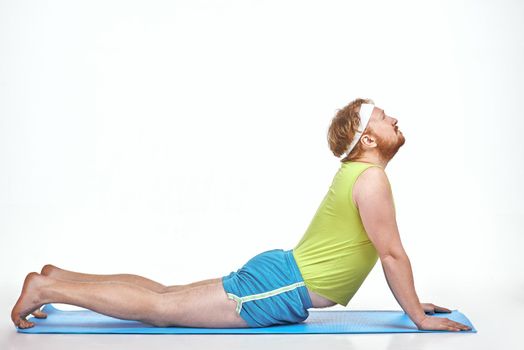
<point>393,255</point>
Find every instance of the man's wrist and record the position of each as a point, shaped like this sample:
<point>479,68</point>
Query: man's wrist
<point>417,320</point>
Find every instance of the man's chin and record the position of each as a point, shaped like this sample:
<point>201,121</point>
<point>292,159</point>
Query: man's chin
<point>402,142</point>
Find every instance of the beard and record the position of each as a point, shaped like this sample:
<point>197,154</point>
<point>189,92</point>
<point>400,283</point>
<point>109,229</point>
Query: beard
<point>388,148</point>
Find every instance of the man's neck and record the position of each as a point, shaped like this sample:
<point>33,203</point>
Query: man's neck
<point>373,159</point>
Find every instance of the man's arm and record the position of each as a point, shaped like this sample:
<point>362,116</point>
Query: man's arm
<point>374,200</point>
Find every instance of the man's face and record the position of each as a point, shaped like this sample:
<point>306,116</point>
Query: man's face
<point>386,133</point>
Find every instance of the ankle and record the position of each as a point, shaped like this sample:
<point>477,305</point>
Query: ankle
<point>33,285</point>
<point>49,270</point>
<point>44,289</point>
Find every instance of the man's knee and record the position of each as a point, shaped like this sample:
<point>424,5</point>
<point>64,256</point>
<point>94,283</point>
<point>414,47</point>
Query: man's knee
<point>163,310</point>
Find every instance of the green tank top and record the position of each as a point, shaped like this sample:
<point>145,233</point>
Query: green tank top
<point>335,254</point>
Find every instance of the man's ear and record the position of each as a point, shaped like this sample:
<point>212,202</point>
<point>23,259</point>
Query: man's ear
<point>368,140</point>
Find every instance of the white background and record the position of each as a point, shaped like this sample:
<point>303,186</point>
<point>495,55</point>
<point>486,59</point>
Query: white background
<point>177,139</point>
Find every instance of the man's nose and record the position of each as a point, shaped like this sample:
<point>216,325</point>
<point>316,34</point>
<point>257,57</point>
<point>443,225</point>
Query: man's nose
<point>395,121</point>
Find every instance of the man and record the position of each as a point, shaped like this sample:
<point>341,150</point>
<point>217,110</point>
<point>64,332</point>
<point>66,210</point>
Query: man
<point>353,227</point>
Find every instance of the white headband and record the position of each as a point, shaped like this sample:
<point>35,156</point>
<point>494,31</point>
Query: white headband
<point>365,115</point>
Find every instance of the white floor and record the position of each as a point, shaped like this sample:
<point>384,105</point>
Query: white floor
<point>498,319</point>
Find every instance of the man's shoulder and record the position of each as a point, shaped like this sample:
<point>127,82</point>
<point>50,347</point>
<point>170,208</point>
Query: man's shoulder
<point>373,175</point>
<point>372,180</point>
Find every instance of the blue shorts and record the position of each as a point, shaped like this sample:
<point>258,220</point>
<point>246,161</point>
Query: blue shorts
<point>269,290</point>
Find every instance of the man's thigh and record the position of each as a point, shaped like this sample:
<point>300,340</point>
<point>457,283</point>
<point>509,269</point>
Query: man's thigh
<point>178,288</point>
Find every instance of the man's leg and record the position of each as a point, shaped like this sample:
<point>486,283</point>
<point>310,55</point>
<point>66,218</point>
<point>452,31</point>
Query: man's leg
<point>61,274</point>
<point>58,273</point>
<point>202,306</point>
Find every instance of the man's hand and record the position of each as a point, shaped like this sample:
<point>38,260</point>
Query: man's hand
<point>432,308</point>
<point>439,323</point>
<point>432,323</point>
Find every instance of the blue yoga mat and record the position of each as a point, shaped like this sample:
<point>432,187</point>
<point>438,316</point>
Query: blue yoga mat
<point>334,321</point>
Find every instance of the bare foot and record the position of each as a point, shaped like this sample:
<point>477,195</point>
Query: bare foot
<point>28,300</point>
<point>51,271</point>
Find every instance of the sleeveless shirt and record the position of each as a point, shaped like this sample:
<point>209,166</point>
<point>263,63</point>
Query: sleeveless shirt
<point>335,254</point>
